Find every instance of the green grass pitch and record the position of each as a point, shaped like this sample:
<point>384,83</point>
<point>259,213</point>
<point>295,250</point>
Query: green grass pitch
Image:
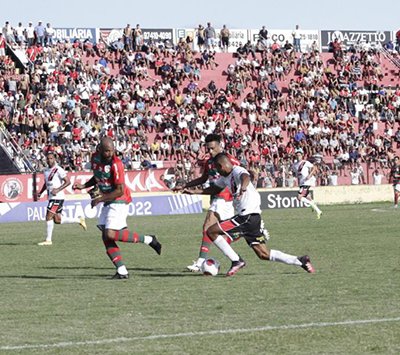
<point>59,299</point>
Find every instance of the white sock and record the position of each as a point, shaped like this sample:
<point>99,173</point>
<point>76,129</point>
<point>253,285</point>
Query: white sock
<point>306,201</point>
<point>223,245</point>
<point>311,203</point>
<point>148,239</point>
<point>200,261</point>
<point>122,270</point>
<point>50,227</point>
<point>276,255</point>
<point>314,206</point>
<point>65,219</point>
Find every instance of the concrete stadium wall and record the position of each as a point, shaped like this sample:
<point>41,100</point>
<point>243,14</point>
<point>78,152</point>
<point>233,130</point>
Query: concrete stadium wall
<point>328,195</point>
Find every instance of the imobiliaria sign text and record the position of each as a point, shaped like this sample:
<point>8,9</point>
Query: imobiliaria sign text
<point>19,188</point>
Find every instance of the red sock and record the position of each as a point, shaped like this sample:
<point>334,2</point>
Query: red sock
<point>205,245</point>
<point>127,236</point>
<point>113,252</point>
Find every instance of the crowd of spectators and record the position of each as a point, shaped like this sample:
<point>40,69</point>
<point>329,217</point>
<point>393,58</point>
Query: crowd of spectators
<point>150,98</point>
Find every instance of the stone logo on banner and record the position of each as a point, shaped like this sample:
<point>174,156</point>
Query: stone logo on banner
<point>280,199</point>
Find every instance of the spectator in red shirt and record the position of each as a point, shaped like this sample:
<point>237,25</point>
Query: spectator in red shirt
<point>76,133</point>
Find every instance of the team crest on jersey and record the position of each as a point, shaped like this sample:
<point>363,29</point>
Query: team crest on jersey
<point>107,169</point>
<point>11,189</point>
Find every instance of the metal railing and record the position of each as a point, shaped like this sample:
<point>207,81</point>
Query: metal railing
<point>395,60</point>
<point>15,153</point>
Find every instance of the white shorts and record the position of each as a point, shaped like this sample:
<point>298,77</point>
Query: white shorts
<point>396,187</point>
<point>223,208</point>
<point>113,216</point>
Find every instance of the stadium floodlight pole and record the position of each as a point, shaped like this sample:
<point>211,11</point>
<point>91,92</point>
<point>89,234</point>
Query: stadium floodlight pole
<point>34,186</point>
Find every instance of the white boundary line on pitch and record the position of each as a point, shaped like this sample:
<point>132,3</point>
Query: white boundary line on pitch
<point>191,334</point>
<point>381,210</point>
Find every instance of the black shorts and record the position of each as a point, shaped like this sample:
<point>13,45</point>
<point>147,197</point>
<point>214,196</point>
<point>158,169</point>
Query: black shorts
<point>55,206</point>
<point>304,190</point>
<point>225,41</point>
<point>247,226</point>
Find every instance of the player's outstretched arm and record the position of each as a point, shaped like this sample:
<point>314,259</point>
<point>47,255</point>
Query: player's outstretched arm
<point>211,190</point>
<point>196,182</point>
<point>90,183</point>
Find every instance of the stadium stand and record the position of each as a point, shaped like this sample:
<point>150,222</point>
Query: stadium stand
<point>159,102</point>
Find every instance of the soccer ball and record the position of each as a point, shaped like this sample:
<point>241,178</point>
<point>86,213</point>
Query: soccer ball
<point>210,267</point>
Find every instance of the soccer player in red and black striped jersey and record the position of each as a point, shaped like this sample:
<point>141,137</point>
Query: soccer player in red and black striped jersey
<point>109,176</point>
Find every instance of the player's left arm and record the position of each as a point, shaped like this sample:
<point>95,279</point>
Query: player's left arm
<point>313,172</point>
<point>211,190</point>
<point>111,196</point>
<point>244,183</point>
<point>214,189</point>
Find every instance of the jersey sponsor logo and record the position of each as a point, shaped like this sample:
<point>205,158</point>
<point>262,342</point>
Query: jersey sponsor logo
<point>107,169</point>
<point>11,189</point>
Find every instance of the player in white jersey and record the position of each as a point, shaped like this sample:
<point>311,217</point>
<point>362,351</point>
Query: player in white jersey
<point>246,222</point>
<point>221,207</point>
<point>306,173</point>
<point>55,181</point>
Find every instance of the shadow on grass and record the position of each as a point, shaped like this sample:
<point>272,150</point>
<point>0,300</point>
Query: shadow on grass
<point>131,269</point>
<point>156,272</point>
<point>169,274</point>
<point>11,244</point>
<point>73,268</point>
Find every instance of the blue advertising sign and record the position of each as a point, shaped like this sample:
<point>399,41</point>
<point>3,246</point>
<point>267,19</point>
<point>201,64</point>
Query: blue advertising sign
<point>73,33</point>
<point>140,206</point>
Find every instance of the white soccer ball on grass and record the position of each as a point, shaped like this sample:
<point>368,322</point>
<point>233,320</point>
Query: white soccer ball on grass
<point>210,267</point>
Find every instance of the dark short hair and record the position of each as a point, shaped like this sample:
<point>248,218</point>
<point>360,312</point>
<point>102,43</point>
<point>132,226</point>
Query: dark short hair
<point>53,153</point>
<point>220,156</point>
<point>213,138</point>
